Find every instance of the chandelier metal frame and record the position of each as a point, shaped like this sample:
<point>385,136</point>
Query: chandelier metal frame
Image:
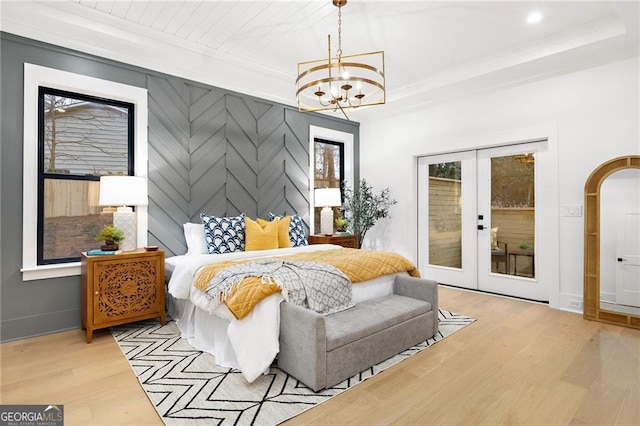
<point>341,81</point>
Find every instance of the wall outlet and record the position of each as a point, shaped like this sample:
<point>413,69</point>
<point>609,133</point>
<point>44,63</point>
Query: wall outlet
<point>575,303</point>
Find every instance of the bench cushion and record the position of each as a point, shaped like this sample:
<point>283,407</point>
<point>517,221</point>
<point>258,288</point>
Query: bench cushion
<point>370,317</point>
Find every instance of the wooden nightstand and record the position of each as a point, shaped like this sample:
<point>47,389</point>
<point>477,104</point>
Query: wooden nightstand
<point>348,241</point>
<point>122,288</point>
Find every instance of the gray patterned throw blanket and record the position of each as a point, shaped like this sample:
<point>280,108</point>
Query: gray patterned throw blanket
<point>317,286</point>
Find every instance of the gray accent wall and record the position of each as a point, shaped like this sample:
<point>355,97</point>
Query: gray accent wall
<point>210,150</point>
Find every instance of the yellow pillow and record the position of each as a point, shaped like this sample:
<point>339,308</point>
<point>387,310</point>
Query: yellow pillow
<point>283,230</point>
<point>258,237</point>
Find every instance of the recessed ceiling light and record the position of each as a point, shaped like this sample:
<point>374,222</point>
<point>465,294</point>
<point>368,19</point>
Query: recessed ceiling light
<point>534,17</point>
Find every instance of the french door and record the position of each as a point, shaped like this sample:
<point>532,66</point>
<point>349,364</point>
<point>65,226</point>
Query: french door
<point>478,220</point>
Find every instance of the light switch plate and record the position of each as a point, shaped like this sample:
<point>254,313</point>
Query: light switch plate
<point>572,210</point>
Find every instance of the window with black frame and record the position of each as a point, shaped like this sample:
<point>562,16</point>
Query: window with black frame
<point>80,138</point>
<point>328,171</point>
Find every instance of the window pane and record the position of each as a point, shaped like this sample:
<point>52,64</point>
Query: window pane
<point>84,137</point>
<point>328,159</point>
<point>72,218</point>
<point>513,215</point>
<point>328,172</point>
<point>445,214</point>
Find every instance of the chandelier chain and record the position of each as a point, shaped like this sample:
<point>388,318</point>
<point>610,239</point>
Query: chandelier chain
<point>339,51</point>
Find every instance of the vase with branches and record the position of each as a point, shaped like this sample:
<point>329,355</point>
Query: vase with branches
<point>363,208</point>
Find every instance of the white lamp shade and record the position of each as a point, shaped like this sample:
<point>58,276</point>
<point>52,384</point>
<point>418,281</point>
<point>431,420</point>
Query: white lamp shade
<point>123,191</point>
<point>327,197</point>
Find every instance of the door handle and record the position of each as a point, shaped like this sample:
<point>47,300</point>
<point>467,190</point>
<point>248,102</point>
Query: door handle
<point>481,227</point>
<point>621,259</point>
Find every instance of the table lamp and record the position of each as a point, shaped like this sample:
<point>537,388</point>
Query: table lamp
<point>124,191</point>
<point>327,198</point>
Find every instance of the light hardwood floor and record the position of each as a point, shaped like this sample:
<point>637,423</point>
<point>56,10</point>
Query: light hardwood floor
<point>519,363</point>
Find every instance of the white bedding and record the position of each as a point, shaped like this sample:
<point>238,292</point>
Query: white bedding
<point>250,344</point>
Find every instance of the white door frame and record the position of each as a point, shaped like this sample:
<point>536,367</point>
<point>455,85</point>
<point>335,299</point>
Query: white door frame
<point>548,236</point>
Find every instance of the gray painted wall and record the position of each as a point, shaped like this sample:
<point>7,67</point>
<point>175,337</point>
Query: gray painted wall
<point>210,150</point>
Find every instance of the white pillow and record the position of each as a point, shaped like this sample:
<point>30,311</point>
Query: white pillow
<point>195,238</point>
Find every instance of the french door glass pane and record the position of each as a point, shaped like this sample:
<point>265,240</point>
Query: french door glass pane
<point>513,215</point>
<point>445,214</point>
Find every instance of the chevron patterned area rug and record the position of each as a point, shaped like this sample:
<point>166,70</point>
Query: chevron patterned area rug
<point>187,388</point>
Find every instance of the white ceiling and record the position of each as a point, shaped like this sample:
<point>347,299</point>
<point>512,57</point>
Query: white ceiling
<point>433,50</point>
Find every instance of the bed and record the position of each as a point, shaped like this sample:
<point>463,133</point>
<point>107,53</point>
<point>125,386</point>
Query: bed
<point>251,343</point>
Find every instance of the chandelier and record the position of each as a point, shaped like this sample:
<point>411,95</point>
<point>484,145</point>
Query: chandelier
<point>339,81</point>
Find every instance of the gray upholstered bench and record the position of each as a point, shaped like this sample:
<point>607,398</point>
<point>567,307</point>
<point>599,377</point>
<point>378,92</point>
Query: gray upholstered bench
<point>322,351</point>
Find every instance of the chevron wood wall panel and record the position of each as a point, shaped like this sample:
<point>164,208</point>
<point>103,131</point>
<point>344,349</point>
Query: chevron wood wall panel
<point>223,153</point>
<point>169,161</point>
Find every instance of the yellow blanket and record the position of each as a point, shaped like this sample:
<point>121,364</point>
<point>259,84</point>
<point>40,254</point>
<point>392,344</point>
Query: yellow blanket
<point>357,265</point>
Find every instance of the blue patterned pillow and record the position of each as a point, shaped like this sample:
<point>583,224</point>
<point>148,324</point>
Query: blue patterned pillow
<point>223,234</point>
<point>296,230</point>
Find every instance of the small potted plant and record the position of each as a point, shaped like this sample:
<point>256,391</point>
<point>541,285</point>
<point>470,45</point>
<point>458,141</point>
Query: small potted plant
<point>341,224</point>
<point>524,246</point>
<point>111,237</point>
